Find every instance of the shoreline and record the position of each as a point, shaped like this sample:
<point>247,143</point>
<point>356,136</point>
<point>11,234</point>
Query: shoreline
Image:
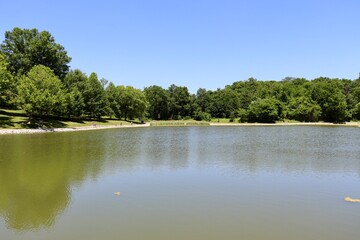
<point>73,129</point>
<point>347,124</point>
<point>5,131</point>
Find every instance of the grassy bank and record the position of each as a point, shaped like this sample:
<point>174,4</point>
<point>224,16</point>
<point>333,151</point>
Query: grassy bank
<point>17,119</point>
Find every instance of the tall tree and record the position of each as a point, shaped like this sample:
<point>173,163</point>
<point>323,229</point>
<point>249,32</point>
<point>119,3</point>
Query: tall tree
<point>40,92</point>
<point>75,85</point>
<point>112,96</point>
<point>94,97</point>
<point>203,100</point>
<point>179,101</point>
<point>26,48</point>
<point>226,103</point>
<point>7,84</point>
<point>329,95</point>
<point>132,102</point>
<point>158,99</point>
<point>247,91</point>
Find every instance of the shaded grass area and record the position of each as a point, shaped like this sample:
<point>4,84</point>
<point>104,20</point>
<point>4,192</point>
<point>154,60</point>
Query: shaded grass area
<point>222,120</point>
<point>17,119</point>
<point>12,119</point>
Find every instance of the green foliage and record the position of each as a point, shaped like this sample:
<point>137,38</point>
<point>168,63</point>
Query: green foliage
<point>26,48</point>
<point>94,97</point>
<point>242,115</point>
<point>202,116</point>
<point>356,112</point>
<point>75,85</point>
<point>179,102</point>
<point>31,64</point>
<point>329,95</point>
<point>158,99</point>
<point>248,91</point>
<point>264,110</point>
<point>112,96</point>
<point>304,109</point>
<point>204,100</point>
<point>226,102</point>
<point>7,84</point>
<point>132,102</point>
<point>40,92</point>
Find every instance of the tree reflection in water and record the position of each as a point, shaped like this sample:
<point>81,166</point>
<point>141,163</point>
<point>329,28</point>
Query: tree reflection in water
<point>36,179</point>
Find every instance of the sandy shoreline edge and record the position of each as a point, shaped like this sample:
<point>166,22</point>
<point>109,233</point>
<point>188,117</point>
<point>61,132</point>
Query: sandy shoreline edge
<point>99,127</point>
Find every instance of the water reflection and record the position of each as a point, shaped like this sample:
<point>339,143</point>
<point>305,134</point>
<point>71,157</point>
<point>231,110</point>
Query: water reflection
<point>38,172</point>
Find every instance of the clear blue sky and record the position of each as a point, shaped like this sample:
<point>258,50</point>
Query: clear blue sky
<point>198,43</point>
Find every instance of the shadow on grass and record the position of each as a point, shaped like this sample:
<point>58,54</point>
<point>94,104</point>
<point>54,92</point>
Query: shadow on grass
<point>5,122</point>
<point>134,122</point>
<point>102,120</point>
<point>11,113</point>
<point>16,119</point>
<point>43,123</point>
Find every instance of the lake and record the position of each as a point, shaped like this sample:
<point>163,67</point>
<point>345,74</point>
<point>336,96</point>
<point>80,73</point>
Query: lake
<point>263,182</point>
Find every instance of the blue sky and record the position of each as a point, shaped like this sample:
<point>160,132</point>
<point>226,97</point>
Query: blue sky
<point>198,43</point>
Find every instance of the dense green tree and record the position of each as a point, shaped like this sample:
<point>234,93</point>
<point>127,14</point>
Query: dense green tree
<point>295,87</point>
<point>356,112</point>
<point>132,102</point>
<point>112,96</point>
<point>304,109</point>
<point>242,115</point>
<point>75,85</point>
<point>7,84</point>
<point>247,91</point>
<point>179,101</point>
<point>25,48</point>
<point>353,99</point>
<point>158,99</point>
<point>140,105</point>
<point>40,92</point>
<point>226,103</point>
<point>329,95</point>
<point>201,115</point>
<point>266,110</point>
<point>204,100</point>
<point>94,97</point>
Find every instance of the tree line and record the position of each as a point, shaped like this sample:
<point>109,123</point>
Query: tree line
<point>35,76</point>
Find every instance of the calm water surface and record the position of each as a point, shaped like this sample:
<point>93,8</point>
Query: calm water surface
<point>280,182</point>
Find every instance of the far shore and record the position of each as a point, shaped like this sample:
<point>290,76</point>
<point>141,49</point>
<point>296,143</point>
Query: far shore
<point>99,127</point>
<point>347,124</point>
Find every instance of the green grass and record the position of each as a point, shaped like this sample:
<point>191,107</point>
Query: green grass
<point>224,120</point>
<point>17,119</point>
<point>74,124</point>
<point>12,119</point>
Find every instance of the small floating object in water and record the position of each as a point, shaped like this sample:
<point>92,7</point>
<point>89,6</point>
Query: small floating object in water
<point>354,200</point>
<point>117,193</point>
